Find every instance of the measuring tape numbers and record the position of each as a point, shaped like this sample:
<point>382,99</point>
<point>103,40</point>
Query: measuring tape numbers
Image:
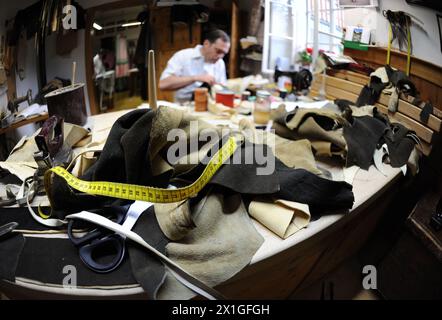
<point>150,194</point>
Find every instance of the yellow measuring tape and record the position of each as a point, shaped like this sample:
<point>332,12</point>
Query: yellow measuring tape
<point>150,194</point>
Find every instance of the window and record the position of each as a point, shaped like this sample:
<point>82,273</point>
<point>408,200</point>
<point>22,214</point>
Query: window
<point>280,32</point>
<point>330,25</point>
<point>289,28</point>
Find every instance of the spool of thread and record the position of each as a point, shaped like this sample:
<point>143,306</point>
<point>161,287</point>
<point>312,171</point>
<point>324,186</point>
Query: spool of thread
<point>68,103</point>
<point>201,99</point>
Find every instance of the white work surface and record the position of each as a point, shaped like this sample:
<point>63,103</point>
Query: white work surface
<point>366,185</point>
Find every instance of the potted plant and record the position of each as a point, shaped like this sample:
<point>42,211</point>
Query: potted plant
<point>305,57</point>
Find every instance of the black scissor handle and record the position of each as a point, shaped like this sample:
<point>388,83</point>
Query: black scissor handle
<point>116,214</point>
<point>89,253</point>
<point>88,238</point>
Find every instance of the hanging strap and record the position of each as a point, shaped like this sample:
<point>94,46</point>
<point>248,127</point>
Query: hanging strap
<point>390,40</point>
<point>409,47</point>
<point>390,36</point>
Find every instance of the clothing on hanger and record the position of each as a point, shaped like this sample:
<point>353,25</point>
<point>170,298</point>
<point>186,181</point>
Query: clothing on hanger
<point>122,57</point>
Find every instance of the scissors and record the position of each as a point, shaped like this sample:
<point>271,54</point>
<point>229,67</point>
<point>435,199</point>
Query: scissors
<point>100,249</point>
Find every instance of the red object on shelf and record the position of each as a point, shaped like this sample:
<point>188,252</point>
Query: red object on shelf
<point>227,98</point>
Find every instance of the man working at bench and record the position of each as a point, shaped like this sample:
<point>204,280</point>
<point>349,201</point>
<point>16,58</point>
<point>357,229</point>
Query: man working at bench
<point>192,68</point>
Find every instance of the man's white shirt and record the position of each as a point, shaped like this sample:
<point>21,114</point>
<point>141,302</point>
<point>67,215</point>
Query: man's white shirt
<point>190,62</point>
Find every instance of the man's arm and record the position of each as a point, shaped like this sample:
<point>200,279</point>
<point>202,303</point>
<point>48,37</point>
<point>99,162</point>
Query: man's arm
<point>174,82</point>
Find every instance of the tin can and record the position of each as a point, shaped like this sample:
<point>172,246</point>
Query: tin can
<point>226,97</point>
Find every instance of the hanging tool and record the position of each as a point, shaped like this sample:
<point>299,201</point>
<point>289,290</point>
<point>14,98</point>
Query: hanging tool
<point>399,30</point>
<point>14,103</point>
<point>13,108</point>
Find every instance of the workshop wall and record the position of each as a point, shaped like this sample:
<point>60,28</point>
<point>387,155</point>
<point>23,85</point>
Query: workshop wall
<point>426,45</point>
<point>8,11</point>
<point>61,66</point>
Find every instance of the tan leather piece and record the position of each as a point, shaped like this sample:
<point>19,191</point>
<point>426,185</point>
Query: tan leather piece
<point>302,114</point>
<point>293,153</point>
<point>296,154</point>
<point>302,125</point>
<point>175,219</point>
<point>222,244</point>
<point>284,218</point>
<point>84,162</point>
<point>167,119</point>
<point>381,73</point>
<point>322,148</point>
<point>362,111</point>
<point>311,130</point>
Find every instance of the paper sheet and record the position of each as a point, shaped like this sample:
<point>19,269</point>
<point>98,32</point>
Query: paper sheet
<point>32,110</point>
<point>350,174</point>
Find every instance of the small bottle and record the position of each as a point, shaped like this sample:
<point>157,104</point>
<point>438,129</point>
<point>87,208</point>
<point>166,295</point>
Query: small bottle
<point>261,112</point>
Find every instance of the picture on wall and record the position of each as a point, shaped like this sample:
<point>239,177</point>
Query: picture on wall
<point>358,3</point>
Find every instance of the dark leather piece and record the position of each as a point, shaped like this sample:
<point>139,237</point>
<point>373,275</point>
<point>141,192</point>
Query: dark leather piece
<point>149,272</point>
<point>11,247</point>
<point>362,138</point>
<point>320,194</point>
<point>243,177</point>
<point>427,110</point>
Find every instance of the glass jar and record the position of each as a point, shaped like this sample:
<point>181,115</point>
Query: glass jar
<point>201,99</point>
<point>261,112</point>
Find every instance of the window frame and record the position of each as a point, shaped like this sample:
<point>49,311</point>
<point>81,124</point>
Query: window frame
<point>268,35</point>
<point>326,18</point>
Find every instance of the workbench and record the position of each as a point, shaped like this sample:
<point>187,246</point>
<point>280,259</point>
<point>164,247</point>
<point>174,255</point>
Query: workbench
<point>280,268</point>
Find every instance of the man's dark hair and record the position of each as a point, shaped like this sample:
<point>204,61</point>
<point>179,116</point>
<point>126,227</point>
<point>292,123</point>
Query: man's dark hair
<point>214,35</point>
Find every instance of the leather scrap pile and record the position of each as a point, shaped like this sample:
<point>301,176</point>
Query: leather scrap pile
<point>178,248</point>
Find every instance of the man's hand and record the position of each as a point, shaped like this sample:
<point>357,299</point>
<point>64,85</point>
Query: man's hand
<point>174,83</point>
<point>207,78</point>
